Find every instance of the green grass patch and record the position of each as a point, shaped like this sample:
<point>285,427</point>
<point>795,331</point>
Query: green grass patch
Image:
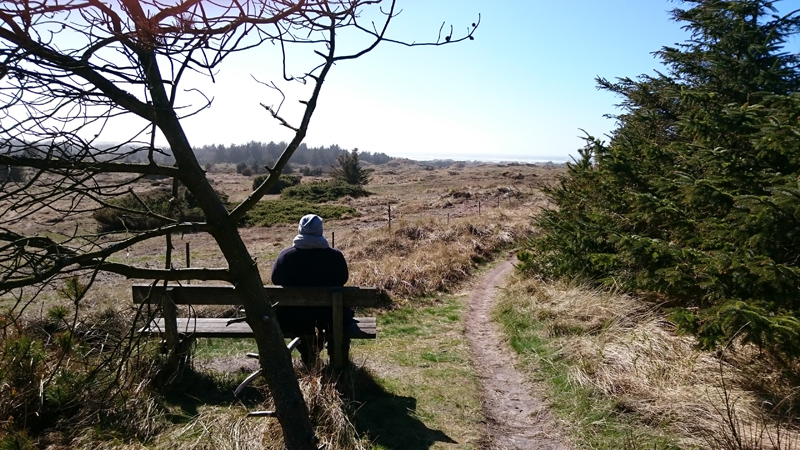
<point>209,348</point>
<point>284,211</point>
<point>430,398</point>
<point>596,421</point>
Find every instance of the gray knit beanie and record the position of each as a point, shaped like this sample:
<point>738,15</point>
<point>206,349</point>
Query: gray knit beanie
<point>310,224</point>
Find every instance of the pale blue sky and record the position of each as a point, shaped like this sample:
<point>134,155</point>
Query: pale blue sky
<point>522,90</point>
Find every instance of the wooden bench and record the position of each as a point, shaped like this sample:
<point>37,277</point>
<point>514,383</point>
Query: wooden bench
<point>338,298</point>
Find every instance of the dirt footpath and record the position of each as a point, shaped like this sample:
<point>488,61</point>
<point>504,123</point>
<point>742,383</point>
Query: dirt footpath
<point>516,415</point>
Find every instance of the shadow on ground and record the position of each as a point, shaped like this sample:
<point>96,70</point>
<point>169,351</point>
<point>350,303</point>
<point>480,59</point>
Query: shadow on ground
<point>386,419</point>
<point>195,389</point>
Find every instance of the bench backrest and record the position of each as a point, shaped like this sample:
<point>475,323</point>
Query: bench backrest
<point>207,294</point>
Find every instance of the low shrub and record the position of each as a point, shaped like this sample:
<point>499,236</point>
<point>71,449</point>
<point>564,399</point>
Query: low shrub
<point>312,171</point>
<point>22,366</point>
<point>11,173</point>
<point>284,181</point>
<point>323,191</point>
<point>283,211</point>
<point>56,383</point>
<point>147,210</point>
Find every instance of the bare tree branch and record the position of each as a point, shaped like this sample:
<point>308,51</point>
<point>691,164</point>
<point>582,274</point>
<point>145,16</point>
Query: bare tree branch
<point>90,166</point>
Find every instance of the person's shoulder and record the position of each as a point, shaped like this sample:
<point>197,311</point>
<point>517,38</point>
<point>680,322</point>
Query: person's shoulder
<point>286,251</point>
<point>318,250</point>
<point>337,254</point>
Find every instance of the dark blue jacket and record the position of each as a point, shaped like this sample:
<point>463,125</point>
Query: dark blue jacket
<point>308,267</point>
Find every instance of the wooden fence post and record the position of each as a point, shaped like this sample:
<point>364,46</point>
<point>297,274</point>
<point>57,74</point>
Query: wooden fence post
<point>188,260</point>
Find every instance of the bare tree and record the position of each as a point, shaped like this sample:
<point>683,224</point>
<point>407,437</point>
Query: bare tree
<point>71,70</point>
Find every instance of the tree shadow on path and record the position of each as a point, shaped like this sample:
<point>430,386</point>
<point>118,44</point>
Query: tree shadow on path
<point>387,419</point>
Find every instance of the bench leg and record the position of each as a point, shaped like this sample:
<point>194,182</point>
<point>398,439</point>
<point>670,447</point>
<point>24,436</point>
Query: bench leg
<point>345,349</point>
<point>337,357</point>
<point>311,346</point>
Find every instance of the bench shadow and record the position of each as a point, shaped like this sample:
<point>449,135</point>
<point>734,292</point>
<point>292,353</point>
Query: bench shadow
<point>197,388</point>
<point>386,419</point>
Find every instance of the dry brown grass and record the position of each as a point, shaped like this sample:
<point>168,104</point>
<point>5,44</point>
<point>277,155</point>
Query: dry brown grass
<point>445,223</point>
<point>420,199</point>
<point>422,258</point>
<point>624,349</point>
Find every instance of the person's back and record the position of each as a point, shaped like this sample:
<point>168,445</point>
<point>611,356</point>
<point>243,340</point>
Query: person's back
<point>310,267</point>
<point>310,261</point>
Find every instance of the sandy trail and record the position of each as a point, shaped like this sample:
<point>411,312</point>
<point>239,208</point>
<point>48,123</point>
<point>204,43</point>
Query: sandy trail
<point>517,418</point>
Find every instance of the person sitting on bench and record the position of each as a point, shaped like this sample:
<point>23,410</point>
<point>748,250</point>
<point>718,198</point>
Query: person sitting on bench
<point>310,261</point>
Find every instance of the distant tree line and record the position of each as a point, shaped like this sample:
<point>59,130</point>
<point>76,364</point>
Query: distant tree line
<point>260,153</point>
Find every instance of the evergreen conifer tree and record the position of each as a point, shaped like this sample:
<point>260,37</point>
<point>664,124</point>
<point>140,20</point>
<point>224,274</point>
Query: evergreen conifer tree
<point>349,169</point>
<point>696,196</point>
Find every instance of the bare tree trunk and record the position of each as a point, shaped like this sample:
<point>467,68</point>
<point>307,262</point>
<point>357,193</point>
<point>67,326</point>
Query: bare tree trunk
<point>275,359</point>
